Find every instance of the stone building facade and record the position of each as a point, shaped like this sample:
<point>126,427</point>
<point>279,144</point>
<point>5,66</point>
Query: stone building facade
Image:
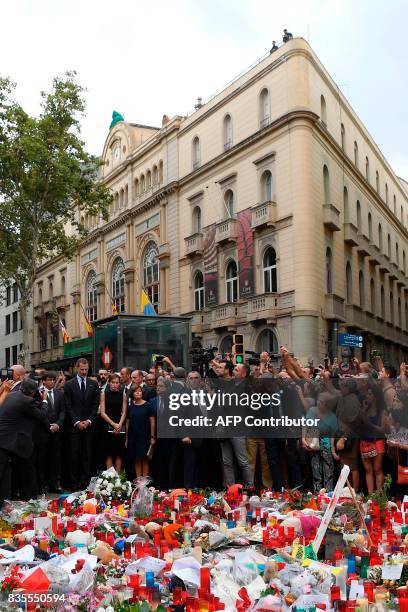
<point>270,211</point>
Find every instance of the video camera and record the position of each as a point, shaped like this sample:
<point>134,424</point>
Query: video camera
<point>255,358</point>
<point>203,355</point>
<point>6,374</point>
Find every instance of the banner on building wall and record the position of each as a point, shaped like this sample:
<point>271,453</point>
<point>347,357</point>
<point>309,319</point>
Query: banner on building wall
<point>245,247</point>
<point>210,266</point>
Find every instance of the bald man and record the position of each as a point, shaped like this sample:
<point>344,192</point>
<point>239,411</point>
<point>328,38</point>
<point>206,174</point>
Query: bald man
<point>10,386</point>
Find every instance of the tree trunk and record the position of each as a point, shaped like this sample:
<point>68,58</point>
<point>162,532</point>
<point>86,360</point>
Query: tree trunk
<point>26,321</point>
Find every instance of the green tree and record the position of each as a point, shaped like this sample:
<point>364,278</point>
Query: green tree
<point>46,180</point>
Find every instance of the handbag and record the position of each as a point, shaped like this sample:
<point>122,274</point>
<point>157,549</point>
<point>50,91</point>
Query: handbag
<point>310,442</point>
<point>402,473</point>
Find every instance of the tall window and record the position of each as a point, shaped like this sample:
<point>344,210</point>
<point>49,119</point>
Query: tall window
<point>229,203</point>
<point>118,285</point>
<point>155,177</point>
<point>91,300</point>
<point>397,254</point>
<point>346,205</point>
<point>370,227</point>
<point>267,341</point>
<point>323,110</point>
<point>361,289</point>
<point>343,137</point>
<point>142,183</point>
<point>270,271</point>
<point>380,237</point>
<point>63,285</point>
<point>151,274</point>
<point>266,184</point>
<point>149,179</point>
<point>367,170</point>
<point>198,291</point>
<point>232,282</point>
<point>402,215</point>
<point>160,172</point>
<point>264,108</point>
<point>372,295</point>
<point>227,132</point>
<point>359,224</point>
<point>386,193</point>
<point>137,187</point>
<point>329,270</point>
<point>377,181</point>
<point>197,224</point>
<point>326,185</point>
<point>399,313</point>
<point>392,307</point>
<point>196,153</point>
<point>8,295</point>
<point>349,284</point>
<point>382,302</point>
<point>15,293</point>
<point>356,154</point>
<point>389,246</point>
<point>50,291</point>
<point>404,262</point>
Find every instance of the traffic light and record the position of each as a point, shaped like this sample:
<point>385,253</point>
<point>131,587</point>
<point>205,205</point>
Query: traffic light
<point>238,353</point>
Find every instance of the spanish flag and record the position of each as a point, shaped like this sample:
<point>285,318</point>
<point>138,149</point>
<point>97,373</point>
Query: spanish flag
<point>146,307</point>
<point>88,327</point>
<point>115,311</point>
<point>65,335</point>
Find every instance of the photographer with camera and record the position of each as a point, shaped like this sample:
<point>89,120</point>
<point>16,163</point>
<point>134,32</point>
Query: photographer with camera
<point>15,375</point>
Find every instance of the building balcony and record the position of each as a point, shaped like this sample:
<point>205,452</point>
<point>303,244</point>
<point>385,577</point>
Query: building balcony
<point>225,316</point>
<point>334,307</point>
<point>401,280</point>
<point>164,255</point>
<point>263,215</point>
<point>363,245</point>
<point>331,217</point>
<point>194,245</point>
<point>226,231</point>
<point>350,234</point>
<point>384,265</point>
<point>393,271</point>
<point>374,256</point>
<point>61,302</point>
<point>355,316</point>
<point>266,307</point>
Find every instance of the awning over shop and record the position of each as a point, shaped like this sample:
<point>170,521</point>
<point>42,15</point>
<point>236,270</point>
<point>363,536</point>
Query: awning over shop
<point>77,348</point>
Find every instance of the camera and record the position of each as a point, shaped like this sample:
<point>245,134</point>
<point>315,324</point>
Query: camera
<point>159,360</point>
<point>203,355</point>
<point>6,374</point>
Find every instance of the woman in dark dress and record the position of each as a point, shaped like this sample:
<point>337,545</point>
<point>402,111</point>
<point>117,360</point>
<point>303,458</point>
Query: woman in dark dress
<point>140,430</point>
<point>113,413</point>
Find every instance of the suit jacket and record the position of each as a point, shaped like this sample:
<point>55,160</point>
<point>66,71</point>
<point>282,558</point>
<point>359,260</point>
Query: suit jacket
<point>18,415</point>
<point>77,407</point>
<point>56,411</point>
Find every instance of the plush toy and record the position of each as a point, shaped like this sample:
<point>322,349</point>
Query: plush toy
<point>79,537</point>
<point>105,553</point>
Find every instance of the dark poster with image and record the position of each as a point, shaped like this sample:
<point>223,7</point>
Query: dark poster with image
<point>245,246</point>
<point>210,266</point>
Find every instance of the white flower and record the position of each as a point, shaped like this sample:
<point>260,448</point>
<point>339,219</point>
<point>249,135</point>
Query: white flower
<point>104,492</point>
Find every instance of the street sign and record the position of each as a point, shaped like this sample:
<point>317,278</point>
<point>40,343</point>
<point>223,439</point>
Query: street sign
<point>351,340</point>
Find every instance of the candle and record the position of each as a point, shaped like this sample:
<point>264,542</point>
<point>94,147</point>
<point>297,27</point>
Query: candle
<point>205,578</point>
<point>369,590</point>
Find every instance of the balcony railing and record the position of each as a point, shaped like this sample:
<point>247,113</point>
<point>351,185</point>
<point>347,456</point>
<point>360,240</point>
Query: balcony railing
<point>226,231</point>
<point>263,215</point>
<point>331,217</point>
<point>194,244</point>
<point>268,305</point>
<point>224,316</point>
<point>334,307</point>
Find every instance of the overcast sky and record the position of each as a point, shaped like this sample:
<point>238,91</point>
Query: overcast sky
<point>145,59</point>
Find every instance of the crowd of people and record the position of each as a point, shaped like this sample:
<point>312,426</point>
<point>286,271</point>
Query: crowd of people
<point>58,431</point>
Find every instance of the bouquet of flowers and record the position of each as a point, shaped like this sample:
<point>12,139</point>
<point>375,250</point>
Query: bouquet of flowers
<point>110,486</point>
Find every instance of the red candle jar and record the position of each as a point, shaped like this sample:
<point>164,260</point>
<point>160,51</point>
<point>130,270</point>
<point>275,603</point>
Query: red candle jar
<point>205,578</point>
<point>369,590</point>
<point>335,593</point>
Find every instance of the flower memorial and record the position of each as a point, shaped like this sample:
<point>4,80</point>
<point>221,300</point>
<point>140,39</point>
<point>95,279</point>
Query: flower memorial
<point>185,551</point>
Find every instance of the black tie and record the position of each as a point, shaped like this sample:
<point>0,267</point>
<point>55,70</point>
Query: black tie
<point>51,398</point>
<point>83,389</point>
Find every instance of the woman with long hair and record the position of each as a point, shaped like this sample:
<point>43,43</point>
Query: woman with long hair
<point>372,449</point>
<point>140,430</point>
<point>113,413</point>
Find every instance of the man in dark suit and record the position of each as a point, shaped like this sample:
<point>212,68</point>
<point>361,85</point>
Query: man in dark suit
<point>55,406</point>
<point>17,417</point>
<point>81,405</point>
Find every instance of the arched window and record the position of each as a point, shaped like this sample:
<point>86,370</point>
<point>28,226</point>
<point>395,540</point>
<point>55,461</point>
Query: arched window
<point>155,177</point>
<point>232,282</point>
<point>349,284</point>
<point>356,154</point>
<point>137,187</point>
<point>367,170</point>
<point>389,246</point>
<point>402,215</point>
<point>229,203</point>
<point>326,185</point>
<point>197,225</point>
<point>63,289</point>
<point>264,108</point>
<point>50,291</point>
<point>116,201</point>
<point>346,205</point>
<point>399,313</point>
<point>329,270</point>
<point>361,291</point>
<point>382,302</point>
<point>394,204</point>
<point>343,137</point>
<point>226,345</point>
<point>160,172</point>
<point>266,184</point>
<point>142,183</point>
<point>359,224</point>
<point>118,284</point>
<point>377,181</point>
<point>404,263</point>
<point>386,193</point>
<point>126,195</point>
<point>392,307</point>
<point>91,301</point>
<point>370,227</point>
<point>380,237</point>
<point>267,341</point>
<point>151,274</point>
<point>227,132</point>
<point>198,291</point>
<point>270,271</point>
<point>397,254</point>
<point>323,111</point>
<point>196,153</point>
<point>372,295</point>
<point>149,179</point>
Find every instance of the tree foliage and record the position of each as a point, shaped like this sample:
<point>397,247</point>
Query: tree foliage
<point>46,179</point>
